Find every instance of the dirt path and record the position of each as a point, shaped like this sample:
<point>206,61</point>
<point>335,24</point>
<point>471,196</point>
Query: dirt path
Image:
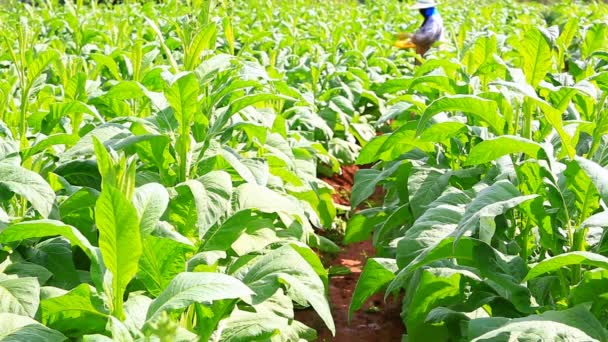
<point>377,321</point>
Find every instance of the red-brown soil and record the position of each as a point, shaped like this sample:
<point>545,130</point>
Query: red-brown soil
<point>378,321</point>
<point>343,184</point>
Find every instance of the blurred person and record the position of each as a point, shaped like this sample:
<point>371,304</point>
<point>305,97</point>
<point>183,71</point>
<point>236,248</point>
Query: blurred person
<point>430,31</point>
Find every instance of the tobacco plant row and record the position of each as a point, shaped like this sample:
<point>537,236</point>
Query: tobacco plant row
<point>158,166</point>
<point>493,224</point>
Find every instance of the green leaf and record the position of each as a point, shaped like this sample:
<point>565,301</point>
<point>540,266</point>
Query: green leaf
<point>188,288</point>
<point>204,40</point>
<point>481,52</point>
<point>362,224</point>
<point>28,184</point>
<point>377,273</point>
<point>221,237</point>
<point>52,140</point>
<point>240,104</point>
<point>442,131</point>
<point>492,201</point>
<point>575,324</point>
<point>119,241</point>
<point>597,174</point>
<point>401,141</point>
<point>16,328</point>
<point>120,333</point>
<point>596,39</point>
<point>425,185</point>
<point>597,220</point>
<point>161,261</point>
<point>201,203</point>
<point>108,62</point>
<point>505,272</point>
<point>244,326</point>
<point>151,201</point>
<point>28,269</point>
<point>182,95</point>
<point>19,296</point>
<point>436,223</point>
<point>581,198</point>
<point>536,54</point>
<point>75,313</point>
<point>479,108</point>
<point>372,151</point>
<point>567,259</point>
<point>40,63</point>
<point>252,196</point>
<point>286,266</point>
<point>136,309</point>
<point>57,256</point>
<point>593,288</point>
<point>104,133</point>
<point>47,228</point>
<point>492,149</point>
<point>366,181</point>
<point>438,287</point>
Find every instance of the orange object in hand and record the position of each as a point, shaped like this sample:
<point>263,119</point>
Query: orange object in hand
<point>405,44</point>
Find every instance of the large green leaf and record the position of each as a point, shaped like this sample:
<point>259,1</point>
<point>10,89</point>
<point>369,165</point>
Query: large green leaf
<point>28,184</point>
<point>490,202</point>
<point>41,62</point>
<point>361,225</point>
<point>536,56</point>
<point>19,295</point>
<point>436,223</point>
<point>151,201</point>
<point>119,241</point>
<point>492,149</point>
<point>596,38</point>
<point>188,288</point>
<point>425,184</point>
<point>377,273</point>
<point>390,147</point>
<point>479,108</point>
<point>47,228</point>
<point>201,203</point>
<point>437,287</point>
<point>161,261</point>
<point>567,259</point>
<point>105,133</point>
<point>28,269</point>
<point>221,237</point>
<point>597,174</point>
<point>593,288</point>
<point>252,196</point>
<point>366,181</point>
<point>575,324</point>
<point>16,328</point>
<point>579,194</point>
<point>57,255</point>
<point>245,326</point>
<point>481,52</point>
<point>75,313</point>
<point>286,266</point>
<point>506,273</point>
<point>182,95</point>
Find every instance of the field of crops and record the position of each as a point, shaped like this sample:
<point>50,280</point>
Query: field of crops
<point>163,169</point>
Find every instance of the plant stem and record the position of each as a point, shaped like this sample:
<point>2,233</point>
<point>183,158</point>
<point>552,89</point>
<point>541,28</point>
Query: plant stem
<point>579,245</point>
<point>528,117</point>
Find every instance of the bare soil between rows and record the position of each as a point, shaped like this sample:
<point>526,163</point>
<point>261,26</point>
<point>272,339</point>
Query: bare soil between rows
<point>378,321</point>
